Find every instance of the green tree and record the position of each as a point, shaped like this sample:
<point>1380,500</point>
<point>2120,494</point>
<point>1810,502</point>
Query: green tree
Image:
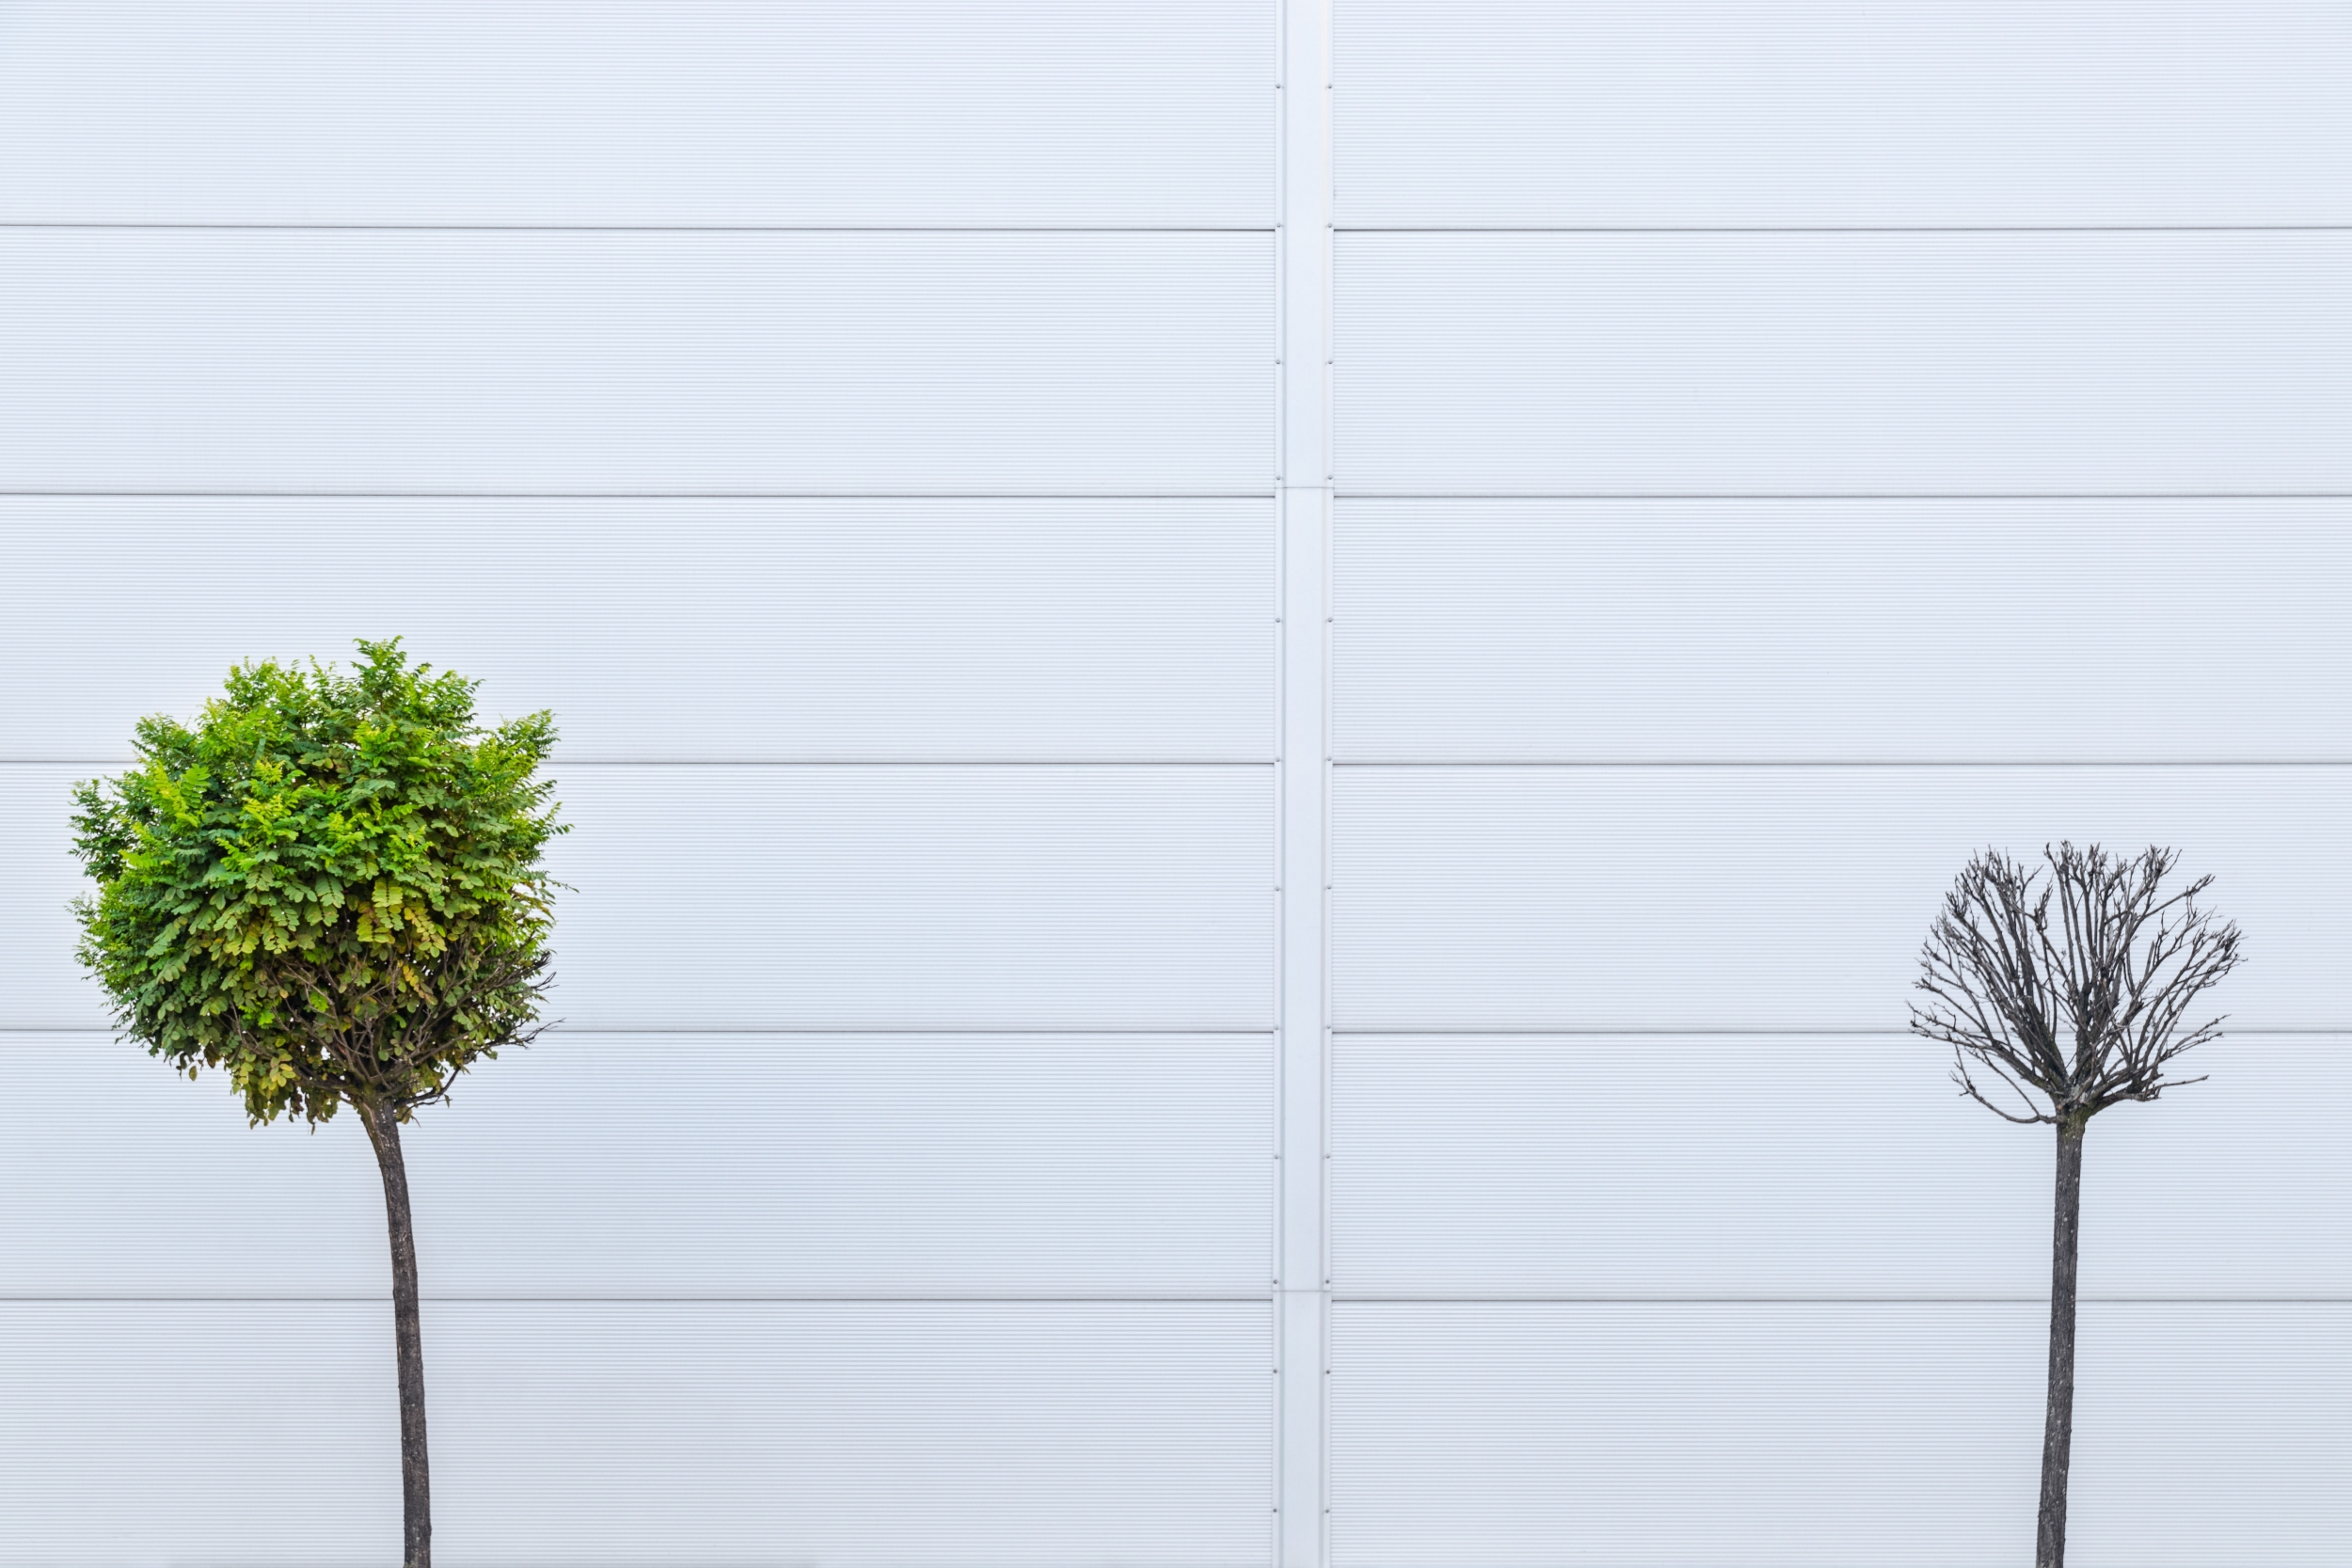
<point>328,886</point>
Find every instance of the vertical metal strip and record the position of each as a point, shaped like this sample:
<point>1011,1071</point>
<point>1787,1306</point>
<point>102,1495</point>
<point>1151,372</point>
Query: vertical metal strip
<point>1303,258</point>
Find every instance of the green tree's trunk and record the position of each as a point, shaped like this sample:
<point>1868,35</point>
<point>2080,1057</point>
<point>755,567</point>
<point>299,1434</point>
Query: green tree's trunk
<point>416,1487</point>
<point>2058,1433</point>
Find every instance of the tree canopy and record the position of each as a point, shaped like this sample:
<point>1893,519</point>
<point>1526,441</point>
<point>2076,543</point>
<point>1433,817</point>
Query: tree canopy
<point>2086,1009</point>
<point>329,884</point>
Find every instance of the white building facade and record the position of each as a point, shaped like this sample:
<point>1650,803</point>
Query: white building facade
<point>1262,702</point>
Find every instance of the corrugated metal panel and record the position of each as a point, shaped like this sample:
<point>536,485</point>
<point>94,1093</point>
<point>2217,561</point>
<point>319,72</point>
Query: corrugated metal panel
<point>667,1166</point>
<point>949,898</point>
<point>620,1433</point>
<point>677,630</point>
<point>1711,113</point>
<point>1791,898</point>
<point>1794,363</point>
<point>820,112</point>
<point>1834,630</point>
<point>40,986</point>
<point>572,363</point>
<point>1793,1165</point>
<point>962,899</point>
<point>1823,1436</point>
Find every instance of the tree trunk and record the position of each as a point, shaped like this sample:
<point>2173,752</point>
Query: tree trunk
<point>415,1488</point>
<point>2058,1433</point>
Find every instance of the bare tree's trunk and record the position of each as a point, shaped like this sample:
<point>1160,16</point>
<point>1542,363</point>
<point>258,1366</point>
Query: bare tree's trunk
<point>2058,1433</point>
<point>415,1488</point>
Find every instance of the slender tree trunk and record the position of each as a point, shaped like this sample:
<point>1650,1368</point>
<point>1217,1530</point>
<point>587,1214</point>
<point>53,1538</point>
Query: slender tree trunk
<point>2058,1433</point>
<point>416,1487</point>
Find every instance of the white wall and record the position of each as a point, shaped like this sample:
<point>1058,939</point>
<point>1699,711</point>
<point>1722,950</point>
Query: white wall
<point>857,421</point>
<point>1780,448</point>
<point>1263,699</point>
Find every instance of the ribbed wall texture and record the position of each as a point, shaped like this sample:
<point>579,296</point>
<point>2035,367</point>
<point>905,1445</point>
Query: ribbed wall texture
<point>816,114</point>
<point>857,421</point>
<point>1719,1167</point>
<point>596,363</point>
<point>1033,631</point>
<point>1855,1433</point>
<point>1779,449</point>
<point>643,1431</point>
<point>1829,629</point>
<point>1840,114</point>
<point>1837,363</point>
<point>685,1166</point>
<point>1262,699</point>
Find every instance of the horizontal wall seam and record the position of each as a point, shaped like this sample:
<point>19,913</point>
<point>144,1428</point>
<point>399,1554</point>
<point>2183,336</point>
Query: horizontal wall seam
<point>560,764</point>
<point>565,1033</point>
<point>563,762</point>
<point>1272,494</point>
<point>1852,228</point>
<point>35,225</point>
<point>41,226</point>
<point>1266,1300</point>
<point>1789,763</point>
<point>1890,1032</point>
<point>793,1031</point>
<point>1338,1298</point>
<point>1343,494</point>
<point>1266,495</point>
<point>1342,1298</point>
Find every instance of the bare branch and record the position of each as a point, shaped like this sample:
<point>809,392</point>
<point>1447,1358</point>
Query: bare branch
<point>2085,1010</point>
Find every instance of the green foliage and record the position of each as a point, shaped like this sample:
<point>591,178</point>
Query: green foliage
<point>329,885</point>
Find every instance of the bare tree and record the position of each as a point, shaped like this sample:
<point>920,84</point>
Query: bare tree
<point>2056,1014</point>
